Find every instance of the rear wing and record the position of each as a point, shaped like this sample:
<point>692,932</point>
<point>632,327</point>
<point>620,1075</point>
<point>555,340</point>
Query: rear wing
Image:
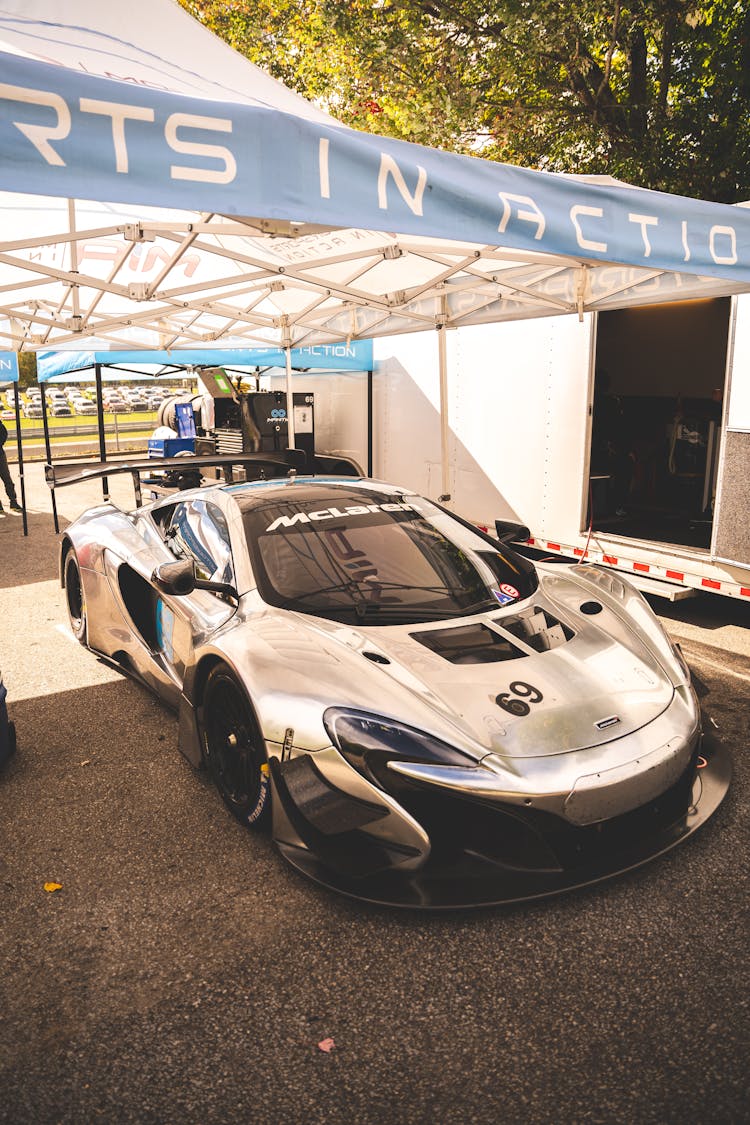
<point>257,466</point>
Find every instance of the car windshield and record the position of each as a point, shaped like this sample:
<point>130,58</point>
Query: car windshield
<point>379,559</point>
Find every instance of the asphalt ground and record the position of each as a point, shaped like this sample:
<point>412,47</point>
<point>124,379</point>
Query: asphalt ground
<point>184,973</point>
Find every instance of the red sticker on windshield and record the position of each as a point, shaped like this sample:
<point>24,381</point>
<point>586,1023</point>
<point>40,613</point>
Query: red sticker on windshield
<point>511,591</point>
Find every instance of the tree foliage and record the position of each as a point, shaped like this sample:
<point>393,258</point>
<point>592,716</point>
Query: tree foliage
<point>656,92</point>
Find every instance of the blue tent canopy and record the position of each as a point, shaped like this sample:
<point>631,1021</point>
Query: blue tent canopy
<point>334,177</point>
<point>146,199</point>
<point>355,356</point>
<point>8,367</point>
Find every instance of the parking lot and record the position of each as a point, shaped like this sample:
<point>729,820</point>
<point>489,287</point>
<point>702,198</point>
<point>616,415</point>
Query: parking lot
<point>183,973</point>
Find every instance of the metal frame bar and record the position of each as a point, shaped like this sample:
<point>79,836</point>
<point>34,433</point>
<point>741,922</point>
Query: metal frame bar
<point>19,449</point>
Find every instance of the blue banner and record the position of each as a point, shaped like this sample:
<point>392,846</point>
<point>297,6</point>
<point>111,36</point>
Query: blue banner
<point>74,135</point>
<point>8,367</point>
<point>355,356</point>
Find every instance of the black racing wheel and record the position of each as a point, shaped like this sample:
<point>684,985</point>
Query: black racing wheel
<point>234,748</point>
<point>74,596</point>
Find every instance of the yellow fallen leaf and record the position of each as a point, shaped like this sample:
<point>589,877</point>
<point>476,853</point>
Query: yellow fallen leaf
<point>52,887</point>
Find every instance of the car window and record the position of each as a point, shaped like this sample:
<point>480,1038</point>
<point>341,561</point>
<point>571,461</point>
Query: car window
<point>389,561</point>
<point>199,531</point>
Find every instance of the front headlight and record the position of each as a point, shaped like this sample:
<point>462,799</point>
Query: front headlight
<point>369,742</point>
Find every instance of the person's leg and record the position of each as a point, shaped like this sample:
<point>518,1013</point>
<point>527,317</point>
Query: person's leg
<point>7,480</point>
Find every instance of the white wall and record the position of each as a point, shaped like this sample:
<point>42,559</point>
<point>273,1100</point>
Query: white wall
<point>518,418</point>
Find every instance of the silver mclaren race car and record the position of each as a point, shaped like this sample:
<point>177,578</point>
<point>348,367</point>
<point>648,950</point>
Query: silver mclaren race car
<point>420,715</point>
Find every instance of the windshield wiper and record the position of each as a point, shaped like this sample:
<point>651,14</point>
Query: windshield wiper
<point>347,587</point>
<point>368,607</point>
<point>423,613</point>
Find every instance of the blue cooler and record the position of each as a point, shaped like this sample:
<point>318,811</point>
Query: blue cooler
<point>170,447</point>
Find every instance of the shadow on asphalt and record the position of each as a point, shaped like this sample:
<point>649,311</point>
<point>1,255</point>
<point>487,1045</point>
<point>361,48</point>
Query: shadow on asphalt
<point>179,946</point>
<point>708,611</point>
<point>25,559</point>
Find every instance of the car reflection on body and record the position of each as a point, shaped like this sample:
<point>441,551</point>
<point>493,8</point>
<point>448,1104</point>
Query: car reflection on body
<point>421,715</point>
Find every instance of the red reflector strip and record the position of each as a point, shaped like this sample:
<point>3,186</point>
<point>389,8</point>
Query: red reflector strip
<point>727,588</point>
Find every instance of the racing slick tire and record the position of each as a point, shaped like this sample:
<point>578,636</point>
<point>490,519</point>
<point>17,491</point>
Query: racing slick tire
<point>75,598</point>
<point>234,749</point>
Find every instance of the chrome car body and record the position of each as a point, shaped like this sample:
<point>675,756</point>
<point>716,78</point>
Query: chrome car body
<point>464,730</point>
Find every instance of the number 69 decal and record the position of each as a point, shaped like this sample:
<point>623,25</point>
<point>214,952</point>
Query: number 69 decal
<point>514,706</point>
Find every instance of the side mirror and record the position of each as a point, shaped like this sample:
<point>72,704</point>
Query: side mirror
<point>175,577</point>
<point>508,531</point>
<point>178,578</point>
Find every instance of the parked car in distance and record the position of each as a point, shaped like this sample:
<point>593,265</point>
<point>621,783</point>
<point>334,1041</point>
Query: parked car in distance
<point>60,410</point>
<point>84,406</point>
<point>32,410</point>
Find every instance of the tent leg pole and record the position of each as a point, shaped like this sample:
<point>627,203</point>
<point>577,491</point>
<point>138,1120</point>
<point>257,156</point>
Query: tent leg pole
<point>289,399</point>
<point>369,423</point>
<point>21,480</point>
<point>444,420</point>
<point>48,451</point>
<point>100,423</point>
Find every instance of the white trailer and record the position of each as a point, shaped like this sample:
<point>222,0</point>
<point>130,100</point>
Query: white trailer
<point>521,406</point>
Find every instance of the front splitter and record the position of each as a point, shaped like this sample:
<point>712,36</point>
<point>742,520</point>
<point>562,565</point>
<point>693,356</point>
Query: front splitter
<point>473,880</point>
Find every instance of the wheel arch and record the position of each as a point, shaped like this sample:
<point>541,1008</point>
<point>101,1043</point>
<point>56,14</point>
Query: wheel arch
<point>66,546</point>
<point>203,670</point>
<point>190,737</point>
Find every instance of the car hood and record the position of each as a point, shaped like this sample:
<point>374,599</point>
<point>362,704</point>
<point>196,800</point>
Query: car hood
<point>590,689</point>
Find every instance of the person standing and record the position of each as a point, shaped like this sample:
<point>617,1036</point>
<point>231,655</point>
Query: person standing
<point>5,476</point>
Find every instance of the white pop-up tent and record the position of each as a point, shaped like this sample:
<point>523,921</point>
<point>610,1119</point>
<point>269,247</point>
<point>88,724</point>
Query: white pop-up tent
<point>276,215</point>
<point>161,192</point>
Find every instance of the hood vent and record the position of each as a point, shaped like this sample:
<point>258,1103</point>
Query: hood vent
<point>537,628</point>
<point>469,644</point>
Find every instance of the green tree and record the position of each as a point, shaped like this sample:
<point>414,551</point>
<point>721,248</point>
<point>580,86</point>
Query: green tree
<point>656,92</point>
<point>26,369</point>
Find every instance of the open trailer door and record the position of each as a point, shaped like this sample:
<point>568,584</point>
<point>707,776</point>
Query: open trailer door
<point>657,421</point>
<point>731,538</point>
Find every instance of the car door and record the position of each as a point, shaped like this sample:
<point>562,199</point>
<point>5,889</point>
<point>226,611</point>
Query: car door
<point>195,529</point>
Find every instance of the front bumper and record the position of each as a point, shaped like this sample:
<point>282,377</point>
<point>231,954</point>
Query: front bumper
<point>483,853</point>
